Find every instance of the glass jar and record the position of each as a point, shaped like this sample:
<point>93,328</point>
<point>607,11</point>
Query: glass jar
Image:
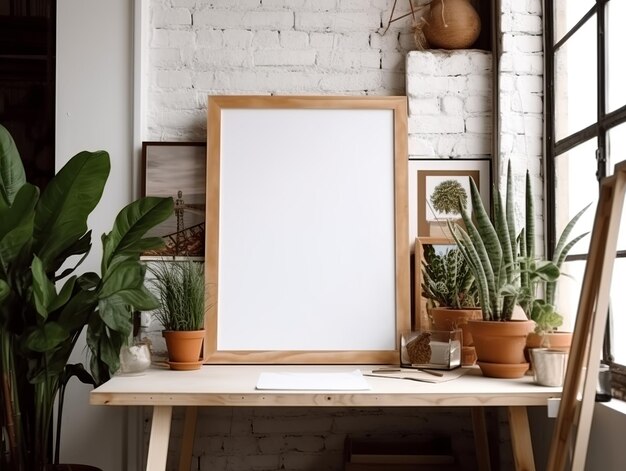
<point>135,358</point>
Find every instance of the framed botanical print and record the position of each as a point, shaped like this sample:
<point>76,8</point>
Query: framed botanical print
<point>437,187</point>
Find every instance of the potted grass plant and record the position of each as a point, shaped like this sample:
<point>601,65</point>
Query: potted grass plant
<point>45,305</point>
<point>180,288</point>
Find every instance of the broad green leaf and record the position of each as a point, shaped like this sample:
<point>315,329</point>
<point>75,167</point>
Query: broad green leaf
<point>43,289</point>
<point>69,198</point>
<point>132,223</point>
<point>12,175</point>
<point>140,298</point>
<point>105,346</point>
<point>47,337</point>
<point>4,291</point>
<point>79,371</point>
<point>17,225</point>
<point>20,210</point>
<point>116,314</point>
<point>50,364</point>
<point>82,247</point>
<point>88,281</point>
<point>63,296</point>
<point>126,275</point>
<point>78,310</point>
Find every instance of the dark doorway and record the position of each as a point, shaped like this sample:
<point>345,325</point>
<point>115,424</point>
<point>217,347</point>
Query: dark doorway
<point>27,82</point>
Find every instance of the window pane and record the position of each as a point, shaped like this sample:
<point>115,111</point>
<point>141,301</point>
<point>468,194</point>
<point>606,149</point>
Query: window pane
<point>576,82</point>
<point>617,153</point>
<point>616,96</point>
<point>618,311</point>
<point>576,170</point>
<point>568,292</point>
<point>567,14</point>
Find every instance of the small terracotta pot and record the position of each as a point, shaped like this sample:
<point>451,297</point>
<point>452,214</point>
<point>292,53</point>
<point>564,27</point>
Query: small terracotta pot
<point>184,348</point>
<point>561,341</point>
<point>553,340</point>
<point>445,318</point>
<point>501,343</point>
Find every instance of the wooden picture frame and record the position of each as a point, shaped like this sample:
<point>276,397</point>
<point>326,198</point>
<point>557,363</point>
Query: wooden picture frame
<point>570,438</point>
<point>177,169</point>
<point>306,251</point>
<point>425,175</point>
<point>421,317</point>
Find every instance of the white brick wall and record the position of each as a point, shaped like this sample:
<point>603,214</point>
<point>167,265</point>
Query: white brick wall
<point>449,103</point>
<point>202,47</point>
<point>214,47</point>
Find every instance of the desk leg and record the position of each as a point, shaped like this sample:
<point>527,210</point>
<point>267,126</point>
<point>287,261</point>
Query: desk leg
<point>520,439</point>
<point>481,442</point>
<point>159,438</point>
<point>186,445</point>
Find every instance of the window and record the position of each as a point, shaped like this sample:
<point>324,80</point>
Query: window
<point>585,137</point>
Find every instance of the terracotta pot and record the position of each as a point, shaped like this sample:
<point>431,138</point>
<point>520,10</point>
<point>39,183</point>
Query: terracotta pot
<point>445,318</point>
<point>451,24</point>
<point>554,340</point>
<point>561,341</point>
<point>184,348</point>
<point>500,344</point>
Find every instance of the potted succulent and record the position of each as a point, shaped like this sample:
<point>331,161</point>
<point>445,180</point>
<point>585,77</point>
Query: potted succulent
<point>450,286</point>
<point>180,288</point>
<point>491,251</point>
<point>45,305</point>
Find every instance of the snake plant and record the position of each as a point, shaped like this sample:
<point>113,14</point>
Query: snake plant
<point>505,264</point>
<point>490,248</point>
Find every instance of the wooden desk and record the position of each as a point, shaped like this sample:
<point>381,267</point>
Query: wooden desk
<point>234,385</point>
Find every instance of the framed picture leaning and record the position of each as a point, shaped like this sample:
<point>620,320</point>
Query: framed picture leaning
<point>177,169</point>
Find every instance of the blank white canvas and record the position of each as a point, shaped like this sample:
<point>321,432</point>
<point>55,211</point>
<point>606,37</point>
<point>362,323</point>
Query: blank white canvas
<point>306,240</point>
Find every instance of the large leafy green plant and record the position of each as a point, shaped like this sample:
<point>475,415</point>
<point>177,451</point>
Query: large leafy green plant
<point>45,305</point>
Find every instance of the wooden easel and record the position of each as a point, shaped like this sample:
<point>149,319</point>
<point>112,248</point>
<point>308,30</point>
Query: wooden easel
<point>573,423</point>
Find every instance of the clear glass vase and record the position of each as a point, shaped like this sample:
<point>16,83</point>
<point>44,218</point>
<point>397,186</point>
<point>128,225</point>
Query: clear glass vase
<point>135,358</point>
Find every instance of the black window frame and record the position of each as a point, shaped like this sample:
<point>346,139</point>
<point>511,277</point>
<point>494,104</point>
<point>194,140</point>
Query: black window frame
<point>598,130</point>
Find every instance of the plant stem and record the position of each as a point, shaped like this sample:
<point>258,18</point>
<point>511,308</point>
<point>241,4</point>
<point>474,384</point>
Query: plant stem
<point>10,402</point>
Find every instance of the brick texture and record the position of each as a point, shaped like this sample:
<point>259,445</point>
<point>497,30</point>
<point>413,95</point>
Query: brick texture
<point>268,47</point>
<point>204,47</point>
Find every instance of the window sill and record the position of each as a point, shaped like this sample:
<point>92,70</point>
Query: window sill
<point>615,405</point>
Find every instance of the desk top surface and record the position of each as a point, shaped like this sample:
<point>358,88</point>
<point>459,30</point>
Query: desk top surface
<point>234,385</point>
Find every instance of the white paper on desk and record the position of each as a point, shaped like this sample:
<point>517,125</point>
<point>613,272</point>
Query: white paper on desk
<point>335,381</point>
